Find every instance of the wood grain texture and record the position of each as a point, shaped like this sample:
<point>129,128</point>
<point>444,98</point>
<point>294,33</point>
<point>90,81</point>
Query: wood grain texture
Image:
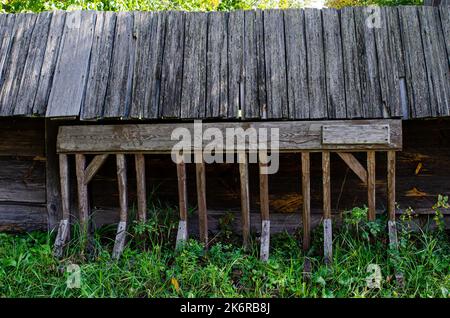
<point>201,202</point>
<point>123,186</point>
<point>355,135</point>
<point>22,137</point>
<point>6,31</point>
<point>182,190</point>
<point>52,177</point>
<point>371,181</point>
<point>306,194</point>
<point>83,200</point>
<point>326,186</point>
<point>391,184</point>
<point>245,198</point>
<point>444,13</point>
<point>355,165</point>
<point>141,187</point>
<point>264,191</point>
<point>235,62</point>
<point>327,241</point>
<point>93,167</point>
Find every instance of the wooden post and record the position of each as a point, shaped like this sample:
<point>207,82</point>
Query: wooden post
<point>306,210</point>
<point>245,199</point>
<point>182,234</point>
<point>141,188</point>
<point>327,226</point>
<point>123,198</point>
<point>64,225</point>
<point>201,198</point>
<point>371,184</point>
<point>264,201</point>
<point>83,200</point>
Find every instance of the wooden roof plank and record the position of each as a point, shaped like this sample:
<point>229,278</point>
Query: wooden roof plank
<point>334,64</point>
<point>193,95</point>
<point>69,80</point>
<point>275,56</point>
<point>118,93</point>
<point>49,63</point>
<point>99,68</point>
<point>32,69</point>
<point>444,13</point>
<point>296,64</point>
<point>235,61</point>
<point>217,66</point>
<point>6,40</point>
<point>172,67</point>
<point>316,64</point>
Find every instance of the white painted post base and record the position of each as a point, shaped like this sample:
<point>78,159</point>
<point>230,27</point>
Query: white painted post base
<point>327,241</point>
<point>265,240</point>
<point>182,234</point>
<point>61,238</point>
<point>120,240</point>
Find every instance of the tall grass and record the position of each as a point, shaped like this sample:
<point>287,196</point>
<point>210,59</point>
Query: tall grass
<point>150,267</point>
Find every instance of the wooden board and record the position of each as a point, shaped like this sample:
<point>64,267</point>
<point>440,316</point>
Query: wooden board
<point>7,24</point>
<point>22,218</point>
<point>444,13</point>
<point>22,137</point>
<point>356,135</point>
<point>156,138</point>
<point>235,62</point>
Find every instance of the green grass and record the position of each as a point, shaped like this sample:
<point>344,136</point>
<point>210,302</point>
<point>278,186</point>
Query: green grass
<point>27,268</point>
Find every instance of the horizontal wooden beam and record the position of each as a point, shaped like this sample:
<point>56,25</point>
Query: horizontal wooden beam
<point>294,136</point>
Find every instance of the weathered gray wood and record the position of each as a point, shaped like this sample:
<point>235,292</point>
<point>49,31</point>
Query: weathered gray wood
<point>150,32</point>
<point>53,176</point>
<point>7,24</point>
<point>353,89</point>
<point>93,167</point>
<point>245,198</point>
<point>182,234</point>
<point>14,65</point>
<point>274,43</point>
<point>265,240</point>
<point>49,63</point>
<point>193,103</point>
<point>435,60</point>
<point>118,93</point>
<point>416,72</point>
<point>327,241</point>
<point>61,238</point>
<point>444,13</point>
<point>296,64</point>
<point>217,66</point>
<point>264,205</point>
<point>235,61</point>
<point>69,80</point>
<point>24,137</point>
<point>334,64</point>
<point>141,188</point>
<point>83,200</point>
<point>99,66</point>
<point>361,134</point>
<point>156,138</point>
<point>22,218</point>
<point>393,246</point>
<point>201,202</point>
<point>371,182</point>
<point>355,165</point>
<point>119,242</point>
<point>29,81</point>
<point>367,64</point>
<point>65,187</point>
<point>123,200</point>
<point>316,64</point>
<point>326,184</point>
<point>172,66</point>
<point>391,184</point>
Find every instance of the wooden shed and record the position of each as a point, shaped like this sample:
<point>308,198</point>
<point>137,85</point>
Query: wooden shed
<point>87,73</point>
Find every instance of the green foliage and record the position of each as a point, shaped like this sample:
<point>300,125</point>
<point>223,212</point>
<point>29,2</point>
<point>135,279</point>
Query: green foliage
<point>355,3</point>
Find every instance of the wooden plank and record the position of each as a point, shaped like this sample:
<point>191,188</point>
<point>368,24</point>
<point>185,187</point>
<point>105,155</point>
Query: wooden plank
<point>361,134</point>
<point>93,167</point>
<point>61,238</point>
<point>15,218</point>
<point>367,64</point>
<point>316,64</point>
<point>235,61</point>
<point>265,240</point>
<point>193,95</point>
<point>64,225</point>
<point>355,165</point>
<point>141,187</point>
<point>435,61</point>
<point>71,73</point>
<point>327,241</point>
<point>150,32</point>
<point>264,206</point>
<point>444,13</point>
<point>353,89</point>
<point>274,43</point>
<point>23,28</point>
<point>182,234</point>
<point>156,138</point>
<point>123,200</point>
<point>51,54</point>
<point>306,195</point>
<point>201,198</point>
<point>416,72</point>
<point>334,64</point>
<point>172,66</point>
<point>296,64</point>
<point>99,66</point>
<point>83,200</point>
<point>371,184</point>
<point>118,93</point>
<point>391,184</point>
<point>7,25</point>
<point>326,186</point>
<point>217,66</point>
<point>22,137</point>
<point>245,198</point>
<point>29,80</point>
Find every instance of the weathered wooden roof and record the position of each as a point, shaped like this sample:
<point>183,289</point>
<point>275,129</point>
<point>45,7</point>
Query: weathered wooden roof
<point>273,64</point>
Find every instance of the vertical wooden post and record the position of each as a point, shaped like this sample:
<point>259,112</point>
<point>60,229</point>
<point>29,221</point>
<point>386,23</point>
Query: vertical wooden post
<point>245,199</point>
<point>306,210</point>
<point>182,234</point>
<point>371,184</point>
<point>123,199</point>
<point>327,226</point>
<point>141,188</point>
<point>83,200</point>
<point>201,198</point>
<point>64,225</point>
<point>264,201</point>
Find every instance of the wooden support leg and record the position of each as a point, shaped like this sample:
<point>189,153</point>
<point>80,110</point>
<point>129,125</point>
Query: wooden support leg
<point>371,184</point>
<point>64,225</point>
<point>306,209</point>
<point>122,227</point>
<point>327,227</point>
<point>201,198</point>
<point>245,199</point>
<point>182,234</point>
<point>141,189</point>
<point>265,218</point>
<point>83,201</point>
